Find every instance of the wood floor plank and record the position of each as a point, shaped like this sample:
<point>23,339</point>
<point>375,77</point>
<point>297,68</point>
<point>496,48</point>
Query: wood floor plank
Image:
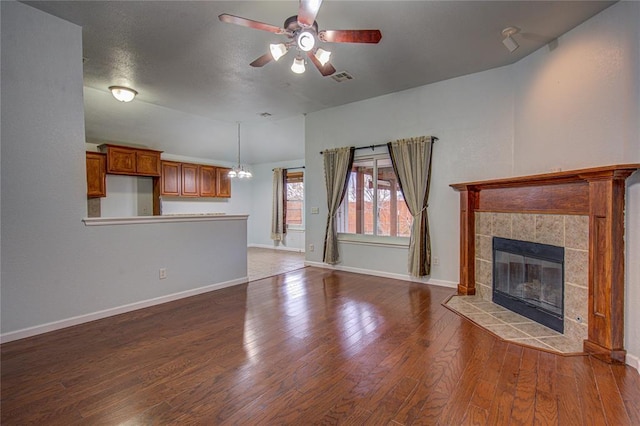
<point>591,400</point>
<point>569,405</point>
<point>502,404</point>
<point>629,386</point>
<point>612,402</point>
<point>311,346</point>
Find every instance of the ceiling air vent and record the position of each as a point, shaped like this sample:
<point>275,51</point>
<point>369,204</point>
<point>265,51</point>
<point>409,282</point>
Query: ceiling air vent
<point>342,76</point>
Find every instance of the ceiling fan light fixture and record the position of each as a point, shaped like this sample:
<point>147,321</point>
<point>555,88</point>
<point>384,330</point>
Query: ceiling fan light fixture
<point>298,65</point>
<point>278,50</point>
<point>123,94</point>
<point>306,40</point>
<point>322,56</point>
<point>508,41</point>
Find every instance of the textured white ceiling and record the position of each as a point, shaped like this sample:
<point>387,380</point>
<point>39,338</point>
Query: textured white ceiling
<point>194,80</point>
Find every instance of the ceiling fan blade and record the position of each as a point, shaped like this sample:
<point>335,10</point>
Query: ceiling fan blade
<point>350,36</point>
<point>262,60</point>
<point>307,12</point>
<point>326,69</point>
<point>231,19</point>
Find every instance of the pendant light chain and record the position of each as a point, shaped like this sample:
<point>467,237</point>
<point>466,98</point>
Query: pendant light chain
<point>238,171</point>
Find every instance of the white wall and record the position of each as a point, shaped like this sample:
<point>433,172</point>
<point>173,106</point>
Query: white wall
<point>581,102</point>
<point>570,107</point>
<point>471,115</point>
<point>54,268</point>
<point>261,205</point>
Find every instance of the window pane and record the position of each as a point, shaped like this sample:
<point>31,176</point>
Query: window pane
<point>295,203</point>
<point>387,199</point>
<point>368,211</point>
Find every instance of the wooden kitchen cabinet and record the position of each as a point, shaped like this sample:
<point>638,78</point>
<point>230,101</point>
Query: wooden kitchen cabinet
<point>193,180</point>
<point>190,180</point>
<point>170,181</point>
<point>208,181</point>
<point>223,182</point>
<point>124,160</point>
<point>96,174</point>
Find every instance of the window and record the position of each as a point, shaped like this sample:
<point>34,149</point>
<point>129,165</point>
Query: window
<point>294,193</point>
<point>373,204</point>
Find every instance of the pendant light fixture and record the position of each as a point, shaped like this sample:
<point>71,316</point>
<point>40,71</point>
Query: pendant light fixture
<point>239,170</point>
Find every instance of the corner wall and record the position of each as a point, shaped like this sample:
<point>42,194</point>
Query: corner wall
<point>54,268</point>
<point>578,105</point>
<point>571,107</point>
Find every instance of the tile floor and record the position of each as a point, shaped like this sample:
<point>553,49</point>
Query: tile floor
<point>263,262</point>
<point>511,326</point>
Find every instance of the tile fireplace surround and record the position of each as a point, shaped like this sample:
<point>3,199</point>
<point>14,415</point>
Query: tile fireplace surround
<point>581,210</point>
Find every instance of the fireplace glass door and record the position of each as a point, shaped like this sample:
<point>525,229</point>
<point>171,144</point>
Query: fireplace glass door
<point>528,278</point>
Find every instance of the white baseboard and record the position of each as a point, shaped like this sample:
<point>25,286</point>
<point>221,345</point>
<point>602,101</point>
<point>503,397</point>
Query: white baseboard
<point>633,361</point>
<point>80,319</point>
<point>403,277</point>
<point>283,248</point>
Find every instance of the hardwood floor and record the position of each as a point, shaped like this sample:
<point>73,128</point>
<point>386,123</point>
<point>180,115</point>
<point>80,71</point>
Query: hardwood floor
<point>310,346</point>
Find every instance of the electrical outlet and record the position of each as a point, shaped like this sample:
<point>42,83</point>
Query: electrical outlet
<point>312,247</point>
<point>163,273</point>
<point>315,210</point>
<point>436,260</point>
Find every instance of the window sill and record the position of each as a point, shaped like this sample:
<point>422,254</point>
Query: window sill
<point>292,229</point>
<point>372,240</point>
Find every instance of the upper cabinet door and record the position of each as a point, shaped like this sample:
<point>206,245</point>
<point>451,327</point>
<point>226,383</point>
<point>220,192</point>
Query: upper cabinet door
<point>207,181</point>
<point>190,187</point>
<point>223,183</point>
<point>148,163</point>
<point>96,175</point>
<point>121,160</point>
<point>170,178</point>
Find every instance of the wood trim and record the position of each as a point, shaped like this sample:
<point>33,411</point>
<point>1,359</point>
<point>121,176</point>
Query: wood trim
<point>597,192</point>
<point>552,178</point>
<point>468,205</point>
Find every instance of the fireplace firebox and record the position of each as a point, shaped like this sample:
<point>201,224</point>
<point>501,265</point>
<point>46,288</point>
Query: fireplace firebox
<point>528,278</point>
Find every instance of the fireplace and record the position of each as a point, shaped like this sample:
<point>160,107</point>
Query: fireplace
<point>528,278</point>
<point>597,193</point>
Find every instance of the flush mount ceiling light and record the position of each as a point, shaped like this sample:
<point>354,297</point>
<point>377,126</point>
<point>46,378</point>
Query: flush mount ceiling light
<point>306,40</point>
<point>123,94</point>
<point>239,171</point>
<point>508,41</point>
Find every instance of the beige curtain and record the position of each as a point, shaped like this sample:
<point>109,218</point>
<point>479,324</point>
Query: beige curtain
<point>411,160</point>
<point>278,228</point>
<point>337,167</point>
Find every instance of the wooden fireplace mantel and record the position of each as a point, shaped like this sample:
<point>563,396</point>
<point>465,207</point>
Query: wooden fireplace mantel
<point>597,192</point>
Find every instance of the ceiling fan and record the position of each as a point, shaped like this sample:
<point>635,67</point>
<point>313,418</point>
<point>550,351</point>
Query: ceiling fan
<point>303,34</point>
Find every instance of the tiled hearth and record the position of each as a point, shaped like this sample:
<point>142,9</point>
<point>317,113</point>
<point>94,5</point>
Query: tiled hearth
<point>511,326</point>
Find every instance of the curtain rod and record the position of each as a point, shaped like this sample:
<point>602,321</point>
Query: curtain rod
<point>291,168</point>
<point>372,147</point>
